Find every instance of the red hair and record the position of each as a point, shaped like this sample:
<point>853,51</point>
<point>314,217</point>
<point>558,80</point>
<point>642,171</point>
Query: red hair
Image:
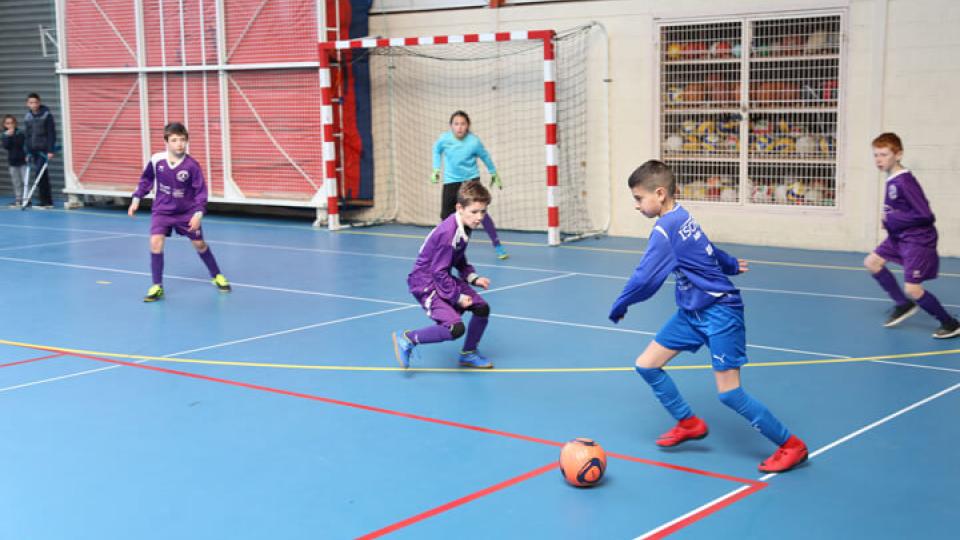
<point>889,140</point>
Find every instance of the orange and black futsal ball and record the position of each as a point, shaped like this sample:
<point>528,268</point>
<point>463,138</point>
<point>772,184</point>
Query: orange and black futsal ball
<point>582,462</point>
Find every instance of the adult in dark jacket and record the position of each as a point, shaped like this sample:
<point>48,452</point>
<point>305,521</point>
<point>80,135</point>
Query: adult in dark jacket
<point>41,132</point>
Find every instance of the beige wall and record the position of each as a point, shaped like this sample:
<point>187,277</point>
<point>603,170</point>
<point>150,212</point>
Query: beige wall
<point>901,74</point>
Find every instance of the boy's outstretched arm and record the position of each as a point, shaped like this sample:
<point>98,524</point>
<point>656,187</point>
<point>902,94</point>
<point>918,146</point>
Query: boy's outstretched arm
<point>657,263</point>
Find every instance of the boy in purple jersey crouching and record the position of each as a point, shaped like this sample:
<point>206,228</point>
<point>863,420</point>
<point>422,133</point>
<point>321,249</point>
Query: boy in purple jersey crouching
<point>179,204</point>
<point>442,295</point>
<point>911,242</point>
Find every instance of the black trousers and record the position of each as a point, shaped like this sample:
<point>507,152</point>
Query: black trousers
<point>448,204</point>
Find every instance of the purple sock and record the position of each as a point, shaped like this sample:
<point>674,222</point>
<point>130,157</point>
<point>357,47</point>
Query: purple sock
<point>207,258</point>
<point>931,305</point>
<point>491,232</point>
<point>475,332</point>
<point>430,334</point>
<point>156,268</point>
<point>889,283</point>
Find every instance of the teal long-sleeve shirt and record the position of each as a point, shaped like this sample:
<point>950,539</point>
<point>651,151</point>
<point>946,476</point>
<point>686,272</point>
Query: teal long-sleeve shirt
<point>460,157</point>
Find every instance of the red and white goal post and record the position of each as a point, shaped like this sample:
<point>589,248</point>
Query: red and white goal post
<point>513,87</point>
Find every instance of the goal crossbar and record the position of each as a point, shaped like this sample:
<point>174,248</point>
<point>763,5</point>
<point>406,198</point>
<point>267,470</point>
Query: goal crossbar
<point>329,48</point>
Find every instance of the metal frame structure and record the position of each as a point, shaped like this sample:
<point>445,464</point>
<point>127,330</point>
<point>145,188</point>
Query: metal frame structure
<point>232,193</point>
<point>329,50</point>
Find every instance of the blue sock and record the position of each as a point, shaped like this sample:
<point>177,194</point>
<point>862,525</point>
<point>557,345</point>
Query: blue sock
<point>666,392</point>
<point>757,414</point>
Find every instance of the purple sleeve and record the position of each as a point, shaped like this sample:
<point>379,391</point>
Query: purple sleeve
<point>917,213</point>
<point>441,260</point>
<point>728,263</point>
<point>146,181</point>
<point>199,189</point>
<point>463,267</point>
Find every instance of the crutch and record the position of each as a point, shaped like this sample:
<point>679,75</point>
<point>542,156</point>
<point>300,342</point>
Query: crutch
<point>26,179</point>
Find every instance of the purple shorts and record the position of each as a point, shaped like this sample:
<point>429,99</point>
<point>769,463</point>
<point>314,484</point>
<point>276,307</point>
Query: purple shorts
<point>165,224</point>
<point>443,313</point>
<point>919,263</point>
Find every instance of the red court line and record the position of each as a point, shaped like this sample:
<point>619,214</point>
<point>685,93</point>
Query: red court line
<point>458,502</point>
<point>27,361</point>
<point>755,485</point>
<point>706,511</point>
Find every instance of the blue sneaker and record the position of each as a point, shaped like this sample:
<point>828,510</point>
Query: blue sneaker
<point>474,359</point>
<point>402,348</point>
<point>501,253</point>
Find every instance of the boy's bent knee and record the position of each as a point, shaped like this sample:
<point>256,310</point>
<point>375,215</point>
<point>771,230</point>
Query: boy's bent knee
<point>913,290</point>
<point>482,310</point>
<point>457,330</point>
<point>651,375</point>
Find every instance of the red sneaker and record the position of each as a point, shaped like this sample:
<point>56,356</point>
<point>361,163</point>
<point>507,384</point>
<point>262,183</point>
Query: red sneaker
<point>789,455</point>
<point>686,429</point>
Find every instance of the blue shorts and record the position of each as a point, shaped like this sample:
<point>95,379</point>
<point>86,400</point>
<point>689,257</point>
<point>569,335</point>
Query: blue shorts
<point>719,327</point>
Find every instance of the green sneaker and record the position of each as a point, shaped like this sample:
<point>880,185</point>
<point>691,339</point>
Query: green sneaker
<point>221,282</point>
<point>154,293</point>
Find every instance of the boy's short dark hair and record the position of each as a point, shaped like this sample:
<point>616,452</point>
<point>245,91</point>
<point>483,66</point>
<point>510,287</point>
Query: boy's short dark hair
<point>34,95</point>
<point>473,192</point>
<point>654,174</point>
<point>10,117</point>
<point>175,128</point>
<point>888,140</point>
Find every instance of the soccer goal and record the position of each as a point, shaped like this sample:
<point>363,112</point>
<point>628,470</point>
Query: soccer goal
<point>527,94</point>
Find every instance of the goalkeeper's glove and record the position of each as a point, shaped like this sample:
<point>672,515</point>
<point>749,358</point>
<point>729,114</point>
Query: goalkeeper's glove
<point>435,177</point>
<point>495,181</point>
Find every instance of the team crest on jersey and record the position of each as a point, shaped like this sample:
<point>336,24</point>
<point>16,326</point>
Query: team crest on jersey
<point>183,175</point>
<point>892,191</point>
<point>690,228</point>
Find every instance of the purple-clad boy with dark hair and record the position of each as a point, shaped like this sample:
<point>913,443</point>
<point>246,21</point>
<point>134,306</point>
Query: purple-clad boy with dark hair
<point>444,296</point>
<point>911,242</point>
<point>179,204</point>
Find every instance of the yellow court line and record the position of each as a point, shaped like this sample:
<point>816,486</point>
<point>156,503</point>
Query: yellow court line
<point>459,370</point>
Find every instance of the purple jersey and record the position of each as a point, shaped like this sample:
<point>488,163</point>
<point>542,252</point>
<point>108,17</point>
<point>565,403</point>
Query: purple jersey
<point>443,249</point>
<point>180,190</point>
<point>906,212</point>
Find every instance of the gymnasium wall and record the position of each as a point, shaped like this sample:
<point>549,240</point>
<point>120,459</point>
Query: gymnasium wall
<point>901,74</point>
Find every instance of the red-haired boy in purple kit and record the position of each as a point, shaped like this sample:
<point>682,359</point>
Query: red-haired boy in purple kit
<point>179,204</point>
<point>911,241</point>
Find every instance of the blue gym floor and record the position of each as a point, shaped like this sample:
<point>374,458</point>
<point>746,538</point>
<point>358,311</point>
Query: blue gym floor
<point>278,411</point>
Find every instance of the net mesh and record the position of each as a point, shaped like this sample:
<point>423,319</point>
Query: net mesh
<point>500,85</point>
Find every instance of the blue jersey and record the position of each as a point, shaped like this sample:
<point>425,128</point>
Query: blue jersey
<point>460,157</point>
<point>678,245</point>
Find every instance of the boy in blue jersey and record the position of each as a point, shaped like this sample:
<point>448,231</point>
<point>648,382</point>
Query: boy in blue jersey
<point>444,296</point>
<point>459,150</point>
<point>179,204</point>
<point>711,313</point>
<point>911,242</point>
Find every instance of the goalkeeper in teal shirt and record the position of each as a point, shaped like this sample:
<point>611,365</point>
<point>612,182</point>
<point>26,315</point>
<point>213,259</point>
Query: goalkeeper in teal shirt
<point>460,149</point>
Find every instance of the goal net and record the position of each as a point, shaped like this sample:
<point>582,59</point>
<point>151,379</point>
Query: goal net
<point>528,102</point>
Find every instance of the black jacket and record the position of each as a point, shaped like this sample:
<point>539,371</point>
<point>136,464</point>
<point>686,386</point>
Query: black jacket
<point>41,130</point>
<point>16,155</point>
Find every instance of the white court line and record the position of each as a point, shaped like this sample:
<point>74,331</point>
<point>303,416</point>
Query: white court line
<point>346,319</point>
<point>115,236</point>
<point>490,265</point>
<point>814,454</point>
<point>646,333</point>
<point>700,508</point>
<point>921,366</point>
<point>402,307</point>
